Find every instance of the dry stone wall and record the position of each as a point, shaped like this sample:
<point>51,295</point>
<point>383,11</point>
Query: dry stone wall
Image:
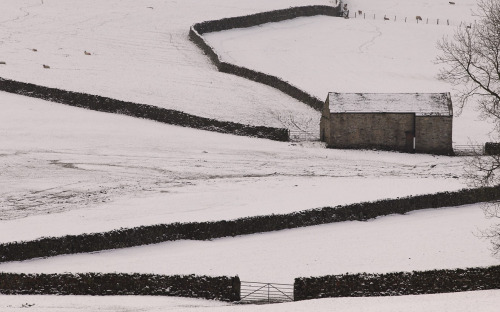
<point>199,29</point>
<point>104,284</point>
<point>397,283</point>
<point>143,235</point>
<point>168,116</point>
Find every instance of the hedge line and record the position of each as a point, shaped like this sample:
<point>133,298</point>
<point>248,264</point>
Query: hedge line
<point>101,284</point>
<point>143,235</point>
<point>197,30</point>
<point>397,284</point>
<point>168,116</point>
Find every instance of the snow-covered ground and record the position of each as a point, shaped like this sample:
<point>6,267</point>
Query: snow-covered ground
<point>422,240</point>
<point>65,170</point>
<point>140,52</point>
<point>484,301</point>
<point>352,55</point>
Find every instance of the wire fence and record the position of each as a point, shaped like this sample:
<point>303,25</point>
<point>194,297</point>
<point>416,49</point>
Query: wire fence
<point>392,17</point>
<point>404,19</point>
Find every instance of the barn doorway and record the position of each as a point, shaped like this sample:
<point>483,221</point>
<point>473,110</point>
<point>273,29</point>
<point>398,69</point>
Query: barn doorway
<point>410,141</point>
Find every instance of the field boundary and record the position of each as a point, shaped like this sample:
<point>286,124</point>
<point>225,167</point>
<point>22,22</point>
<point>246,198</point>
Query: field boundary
<point>152,234</point>
<point>111,284</point>
<point>196,35</point>
<point>151,112</point>
<point>397,283</point>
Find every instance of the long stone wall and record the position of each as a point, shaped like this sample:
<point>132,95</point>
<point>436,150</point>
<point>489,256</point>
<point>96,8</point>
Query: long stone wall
<point>197,30</point>
<point>168,116</point>
<point>143,235</point>
<point>397,283</point>
<point>111,284</point>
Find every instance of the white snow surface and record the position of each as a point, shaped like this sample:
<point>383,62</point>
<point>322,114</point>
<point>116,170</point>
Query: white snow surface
<point>65,170</point>
<point>422,240</point>
<point>140,52</point>
<point>484,301</point>
<point>69,171</point>
<point>358,55</point>
<point>422,104</point>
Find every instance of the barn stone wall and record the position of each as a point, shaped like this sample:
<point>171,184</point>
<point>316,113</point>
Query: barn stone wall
<point>434,134</point>
<point>370,130</point>
<point>324,124</point>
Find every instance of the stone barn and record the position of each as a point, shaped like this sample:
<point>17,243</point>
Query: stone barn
<point>408,122</point>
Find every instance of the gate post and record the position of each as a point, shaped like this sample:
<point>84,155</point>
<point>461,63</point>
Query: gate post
<point>236,289</point>
<point>298,289</point>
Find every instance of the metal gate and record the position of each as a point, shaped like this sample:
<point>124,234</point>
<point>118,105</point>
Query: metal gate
<point>255,292</point>
<point>468,150</point>
<point>301,136</point>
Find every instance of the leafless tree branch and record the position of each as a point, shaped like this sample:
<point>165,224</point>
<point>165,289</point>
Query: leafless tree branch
<point>471,62</point>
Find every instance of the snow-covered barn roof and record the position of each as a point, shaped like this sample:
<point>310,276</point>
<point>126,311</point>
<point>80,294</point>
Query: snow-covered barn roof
<point>422,104</point>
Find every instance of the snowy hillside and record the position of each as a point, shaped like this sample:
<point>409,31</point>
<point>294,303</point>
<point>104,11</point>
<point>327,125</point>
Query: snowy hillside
<point>86,171</point>
<point>359,55</point>
<point>484,301</point>
<point>140,52</point>
<point>423,240</point>
<point>65,170</point>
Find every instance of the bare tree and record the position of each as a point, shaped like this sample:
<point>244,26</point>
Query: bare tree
<point>471,62</point>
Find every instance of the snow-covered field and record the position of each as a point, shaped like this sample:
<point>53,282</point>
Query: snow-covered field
<point>68,171</point>
<point>422,240</point>
<point>140,52</point>
<point>353,55</point>
<point>65,170</point>
<point>484,301</point>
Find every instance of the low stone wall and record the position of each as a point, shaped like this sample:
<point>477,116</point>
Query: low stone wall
<point>492,148</point>
<point>397,284</point>
<point>102,284</point>
<point>199,29</point>
<point>168,116</point>
<point>265,17</point>
<point>143,235</point>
